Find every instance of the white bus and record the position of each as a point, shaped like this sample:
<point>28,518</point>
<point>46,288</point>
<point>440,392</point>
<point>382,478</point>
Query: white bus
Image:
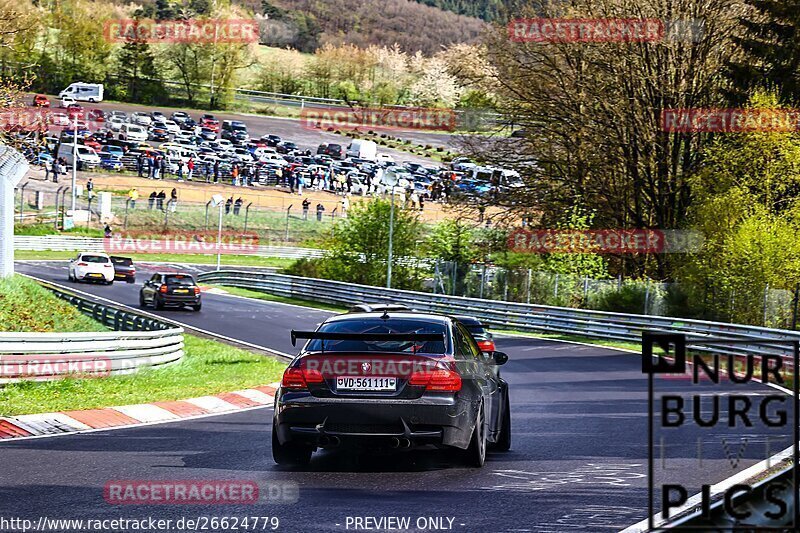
<point>83,92</point>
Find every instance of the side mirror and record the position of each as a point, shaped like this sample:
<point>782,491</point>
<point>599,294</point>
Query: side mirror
<point>500,358</point>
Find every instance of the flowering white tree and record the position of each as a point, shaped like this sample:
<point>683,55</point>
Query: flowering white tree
<point>434,87</point>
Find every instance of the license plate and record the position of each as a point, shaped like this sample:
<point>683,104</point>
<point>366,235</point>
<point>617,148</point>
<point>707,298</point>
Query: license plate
<point>95,275</point>
<point>181,291</point>
<point>366,384</point>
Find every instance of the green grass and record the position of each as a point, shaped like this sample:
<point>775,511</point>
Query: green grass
<point>282,299</point>
<point>227,260</point>
<point>208,367</point>
<point>48,229</point>
<point>22,302</point>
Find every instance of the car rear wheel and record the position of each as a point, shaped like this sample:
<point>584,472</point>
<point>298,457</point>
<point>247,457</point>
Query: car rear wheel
<point>503,443</point>
<point>157,303</point>
<point>289,454</point>
<point>197,307</point>
<point>475,454</point>
<point>142,303</point>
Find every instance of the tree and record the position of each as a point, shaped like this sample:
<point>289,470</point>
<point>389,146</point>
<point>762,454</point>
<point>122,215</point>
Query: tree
<point>593,114</point>
<point>770,39</point>
<point>747,207</point>
<point>137,73</point>
<point>359,250</point>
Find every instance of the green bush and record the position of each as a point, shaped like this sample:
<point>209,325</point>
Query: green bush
<point>628,299</point>
<point>305,267</point>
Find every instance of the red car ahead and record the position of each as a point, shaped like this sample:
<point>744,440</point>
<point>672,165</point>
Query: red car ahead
<point>96,115</point>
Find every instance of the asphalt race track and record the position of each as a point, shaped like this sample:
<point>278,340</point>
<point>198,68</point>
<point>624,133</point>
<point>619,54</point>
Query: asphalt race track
<point>578,460</point>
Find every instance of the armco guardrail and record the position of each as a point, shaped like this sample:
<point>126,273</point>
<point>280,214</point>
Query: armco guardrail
<point>138,342</point>
<point>513,316</point>
<point>95,244</point>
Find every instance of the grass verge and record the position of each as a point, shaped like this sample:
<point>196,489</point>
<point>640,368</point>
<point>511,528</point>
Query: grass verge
<point>208,367</point>
<point>227,260</point>
<point>22,302</point>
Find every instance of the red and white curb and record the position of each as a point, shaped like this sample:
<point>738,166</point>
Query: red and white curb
<point>68,422</point>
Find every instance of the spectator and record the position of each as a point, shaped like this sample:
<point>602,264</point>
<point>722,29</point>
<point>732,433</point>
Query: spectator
<point>320,211</point>
<point>140,163</point>
<point>414,200</point>
<point>190,168</point>
<point>235,174</point>
<point>107,232</point>
<point>160,197</point>
<point>216,171</point>
<point>133,195</point>
<point>151,200</point>
<point>345,205</point>
<point>237,206</point>
<point>279,175</point>
<point>421,202</point>
<point>89,189</point>
<point>55,170</point>
<point>228,204</point>
<point>173,200</point>
<point>306,204</point>
<point>151,165</point>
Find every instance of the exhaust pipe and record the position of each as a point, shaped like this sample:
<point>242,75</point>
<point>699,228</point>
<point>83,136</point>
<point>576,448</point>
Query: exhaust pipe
<point>405,443</point>
<point>326,441</point>
<point>394,443</point>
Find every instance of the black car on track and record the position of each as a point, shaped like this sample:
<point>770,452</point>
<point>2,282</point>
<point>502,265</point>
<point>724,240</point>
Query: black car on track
<point>167,289</point>
<point>124,269</point>
<point>391,380</point>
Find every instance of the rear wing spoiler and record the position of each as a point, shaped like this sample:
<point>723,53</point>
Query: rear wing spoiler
<point>334,336</point>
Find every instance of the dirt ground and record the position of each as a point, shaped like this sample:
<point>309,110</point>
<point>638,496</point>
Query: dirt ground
<point>275,198</point>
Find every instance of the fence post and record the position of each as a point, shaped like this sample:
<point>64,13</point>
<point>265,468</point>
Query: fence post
<point>55,218</point>
<point>794,305</point>
<point>586,290</point>
<point>505,286</point>
<point>89,212</point>
<point>208,203</point>
<point>435,275</point>
<point>646,296</point>
<point>528,290</point>
<point>22,200</point>
<point>125,220</point>
<point>288,209</point>
<point>766,302</point>
<point>555,288</point>
<point>483,280</point>
<point>455,277</point>
<point>246,215</point>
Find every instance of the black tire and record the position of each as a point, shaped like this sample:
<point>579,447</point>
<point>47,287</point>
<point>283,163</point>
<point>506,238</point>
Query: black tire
<point>110,282</point>
<point>142,303</point>
<point>70,277</point>
<point>290,454</point>
<point>503,443</point>
<point>158,304</point>
<point>197,307</point>
<point>475,454</point>
<point>130,280</point>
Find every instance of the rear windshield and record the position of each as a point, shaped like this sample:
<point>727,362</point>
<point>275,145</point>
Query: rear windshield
<point>179,279</point>
<point>378,325</point>
<point>124,261</point>
<point>476,329</point>
<point>94,259</point>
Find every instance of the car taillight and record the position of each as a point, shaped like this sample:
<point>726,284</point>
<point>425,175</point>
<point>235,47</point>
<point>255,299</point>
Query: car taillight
<point>298,378</point>
<point>486,346</point>
<point>440,379</point>
<point>197,290</point>
<point>82,264</point>
<point>162,289</point>
<point>108,265</point>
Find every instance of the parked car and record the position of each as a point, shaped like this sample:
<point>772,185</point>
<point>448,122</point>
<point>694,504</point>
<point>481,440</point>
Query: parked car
<point>93,266</point>
<point>41,100</point>
<point>169,289</point>
<point>484,339</point>
<point>133,132</point>
<point>110,162</point>
<point>335,151</point>
<point>124,269</point>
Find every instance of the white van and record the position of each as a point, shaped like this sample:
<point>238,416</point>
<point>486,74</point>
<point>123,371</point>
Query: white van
<point>363,149</point>
<point>133,132</point>
<point>83,92</point>
<point>87,157</point>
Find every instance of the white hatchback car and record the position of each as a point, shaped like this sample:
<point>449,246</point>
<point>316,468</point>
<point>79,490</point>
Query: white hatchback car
<point>91,266</point>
